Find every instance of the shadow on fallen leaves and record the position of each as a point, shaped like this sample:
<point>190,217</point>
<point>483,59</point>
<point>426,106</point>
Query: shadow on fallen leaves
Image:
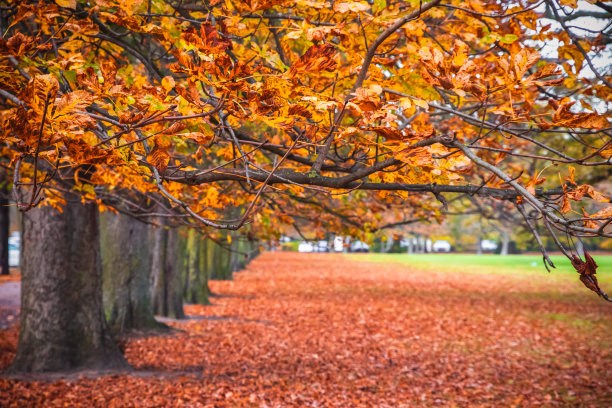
<point>323,330</point>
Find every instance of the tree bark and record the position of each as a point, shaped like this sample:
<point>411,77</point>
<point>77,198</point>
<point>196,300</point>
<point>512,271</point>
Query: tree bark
<point>169,293</point>
<point>221,263</point>
<point>172,276</point>
<point>4,230</point>
<point>410,245</point>
<point>160,235</point>
<point>505,242</point>
<point>196,271</point>
<point>62,317</point>
<point>126,265</point>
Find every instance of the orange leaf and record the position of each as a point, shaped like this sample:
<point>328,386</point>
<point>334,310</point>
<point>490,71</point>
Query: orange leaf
<point>159,158</point>
<point>319,57</point>
<point>564,117</point>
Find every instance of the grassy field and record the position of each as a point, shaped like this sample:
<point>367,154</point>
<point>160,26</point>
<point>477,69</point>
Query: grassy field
<point>527,265</point>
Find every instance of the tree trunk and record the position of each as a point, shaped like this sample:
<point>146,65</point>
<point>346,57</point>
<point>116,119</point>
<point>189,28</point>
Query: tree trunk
<point>4,229</point>
<point>172,276</point>
<point>62,317</point>
<point>221,263</point>
<point>234,261</point>
<point>505,242</point>
<point>479,243</point>
<point>160,236</point>
<point>169,295</point>
<point>196,271</point>
<point>184,259</point>
<point>126,265</point>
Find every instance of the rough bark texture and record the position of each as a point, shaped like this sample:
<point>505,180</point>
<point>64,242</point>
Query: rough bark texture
<point>126,266</point>
<point>4,230</point>
<point>62,318</point>
<point>169,293</point>
<point>172,276</point>
<point>159,237</point>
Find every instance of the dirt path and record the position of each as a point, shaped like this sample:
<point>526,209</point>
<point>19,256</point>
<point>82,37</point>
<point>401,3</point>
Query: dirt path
<point>318,330</point>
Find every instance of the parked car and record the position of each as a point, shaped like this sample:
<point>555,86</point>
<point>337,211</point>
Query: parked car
<point>321,246</point>
<point>14,251</point>
<point>305,246</point>
<point>359,246</point>
<point>441,246</point>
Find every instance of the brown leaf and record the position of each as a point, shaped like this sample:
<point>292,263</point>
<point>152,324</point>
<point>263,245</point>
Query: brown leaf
<point>174,128</point>
<point>389,133</point>
<point>585,189</point>
<point>566,206</point>
<point>197,137</point>
<point>319,57</point>
<point>300,110</point>
<point>587,270</point>
<point>159,158</point>
<point>564,117</point>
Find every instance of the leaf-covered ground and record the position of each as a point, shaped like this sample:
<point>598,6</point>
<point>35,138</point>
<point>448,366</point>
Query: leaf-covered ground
<point>328,330</point>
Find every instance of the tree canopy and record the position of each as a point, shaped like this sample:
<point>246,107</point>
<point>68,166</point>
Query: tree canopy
<point>348,115</point>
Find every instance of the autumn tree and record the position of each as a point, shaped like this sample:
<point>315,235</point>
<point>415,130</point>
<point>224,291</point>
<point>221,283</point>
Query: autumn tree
<point>273,113</point>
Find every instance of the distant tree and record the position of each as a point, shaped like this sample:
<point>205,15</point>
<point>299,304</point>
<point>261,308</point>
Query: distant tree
<point>5,222</point>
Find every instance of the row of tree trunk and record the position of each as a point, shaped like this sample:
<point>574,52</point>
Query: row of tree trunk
<point>85,274</point>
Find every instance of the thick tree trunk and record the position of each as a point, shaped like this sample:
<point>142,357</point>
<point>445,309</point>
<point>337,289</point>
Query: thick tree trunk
<point>160,236</point>
<point>4,229</point>
<point>169,293</point>
<point>196,271</point>
<point>172,276</point>
<point>62,318</point>
<point>221,263</point>
<point>235,255</point>
<point>126,266</point>
<point>244,249</point>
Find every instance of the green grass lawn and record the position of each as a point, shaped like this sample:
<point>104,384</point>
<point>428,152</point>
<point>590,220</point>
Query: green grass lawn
<point>490,264</point>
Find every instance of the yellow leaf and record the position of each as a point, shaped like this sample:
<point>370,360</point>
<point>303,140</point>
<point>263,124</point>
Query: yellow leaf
<point>168,83</point>
<point>355,7</point>
<point>569,3</point>
<point>71,4</point>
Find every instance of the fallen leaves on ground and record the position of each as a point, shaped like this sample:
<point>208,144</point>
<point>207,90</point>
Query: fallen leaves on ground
<point>14,276</point>
<point>308,330</point>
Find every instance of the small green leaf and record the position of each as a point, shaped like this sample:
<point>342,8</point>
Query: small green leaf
<point>508,39</point>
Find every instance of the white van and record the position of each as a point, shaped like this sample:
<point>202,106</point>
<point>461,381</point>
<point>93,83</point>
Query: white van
<point>338,244</point>
<point>441,246</point>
